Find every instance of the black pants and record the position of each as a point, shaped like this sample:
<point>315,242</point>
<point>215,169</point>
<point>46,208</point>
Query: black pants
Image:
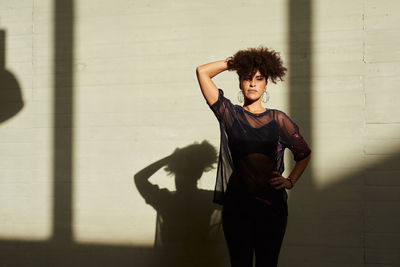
<point>251,226</point>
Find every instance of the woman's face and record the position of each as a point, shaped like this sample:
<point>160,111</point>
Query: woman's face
<point>254,87</point>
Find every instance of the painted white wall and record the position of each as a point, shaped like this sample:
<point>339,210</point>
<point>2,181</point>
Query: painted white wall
<point>136,99</point>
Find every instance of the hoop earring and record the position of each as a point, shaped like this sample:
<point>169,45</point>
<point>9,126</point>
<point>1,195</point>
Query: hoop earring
<point>240,96</point>
<point>265,97</point>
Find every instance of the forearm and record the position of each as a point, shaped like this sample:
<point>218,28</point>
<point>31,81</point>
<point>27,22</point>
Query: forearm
<point>298,169</point>
<point>141,179</point>
<point>213,68</point>
<point>147,172</point>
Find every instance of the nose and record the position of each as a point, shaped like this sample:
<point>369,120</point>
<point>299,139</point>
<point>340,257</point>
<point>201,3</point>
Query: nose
<point>252,83</point>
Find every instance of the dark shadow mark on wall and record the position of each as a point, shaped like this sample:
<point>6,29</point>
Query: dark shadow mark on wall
<point>188,226</point>
<point>300,98</point>
<point>300,69</point>
<point>63,121</point>
<point>10,92</point>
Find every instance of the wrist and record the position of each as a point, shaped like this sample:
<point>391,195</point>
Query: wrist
<point>229,62</point>
<point>291,182</point>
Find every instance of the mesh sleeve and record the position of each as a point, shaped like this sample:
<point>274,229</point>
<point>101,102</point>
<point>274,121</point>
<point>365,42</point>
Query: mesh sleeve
<point>290,137</point>
<point>223,109</point>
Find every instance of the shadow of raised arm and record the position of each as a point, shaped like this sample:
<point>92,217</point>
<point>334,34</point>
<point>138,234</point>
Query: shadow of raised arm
<point>141,178</point>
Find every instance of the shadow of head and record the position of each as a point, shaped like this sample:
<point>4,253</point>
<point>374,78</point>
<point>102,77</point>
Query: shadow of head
<point>10,92</point>
<point>187,164</point>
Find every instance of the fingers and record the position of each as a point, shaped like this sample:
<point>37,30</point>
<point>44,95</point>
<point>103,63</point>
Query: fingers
<point>277,179</point>
<point>278,182</point>
<point>280,186</point>
<point>278,176</point>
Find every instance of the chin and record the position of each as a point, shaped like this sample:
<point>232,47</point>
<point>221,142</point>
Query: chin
<point>252,98</point>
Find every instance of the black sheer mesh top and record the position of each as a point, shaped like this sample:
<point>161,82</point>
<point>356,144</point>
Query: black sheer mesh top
<point>251,148</point>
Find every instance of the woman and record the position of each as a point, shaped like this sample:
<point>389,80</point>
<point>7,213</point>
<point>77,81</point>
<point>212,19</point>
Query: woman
<point>249,184</point>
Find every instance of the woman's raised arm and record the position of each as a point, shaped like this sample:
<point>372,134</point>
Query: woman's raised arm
<point>205,73</point>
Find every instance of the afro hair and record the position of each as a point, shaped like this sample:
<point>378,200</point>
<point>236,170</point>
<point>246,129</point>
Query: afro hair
<point>247,62</point>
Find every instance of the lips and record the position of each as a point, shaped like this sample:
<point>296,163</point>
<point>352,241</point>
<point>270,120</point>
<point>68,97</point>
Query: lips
<point>252,91</point>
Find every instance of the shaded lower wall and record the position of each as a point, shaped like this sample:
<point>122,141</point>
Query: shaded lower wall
<point>51,254</point>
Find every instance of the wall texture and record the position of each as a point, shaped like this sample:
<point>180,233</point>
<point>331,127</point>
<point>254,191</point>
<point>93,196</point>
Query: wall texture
<point>95,93</point>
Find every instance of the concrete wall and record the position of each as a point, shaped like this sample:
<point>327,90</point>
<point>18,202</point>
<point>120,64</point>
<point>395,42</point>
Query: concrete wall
<point>93,92</point>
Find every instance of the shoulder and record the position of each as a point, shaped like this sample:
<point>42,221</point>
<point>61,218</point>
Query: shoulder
<point>220,95</point>
<point>219,100</point>
<point>223,98</point>
<point>277,113</point>
<point>282,118</point>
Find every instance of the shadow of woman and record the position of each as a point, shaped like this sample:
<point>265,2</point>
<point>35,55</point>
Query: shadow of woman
<point>188,226</point>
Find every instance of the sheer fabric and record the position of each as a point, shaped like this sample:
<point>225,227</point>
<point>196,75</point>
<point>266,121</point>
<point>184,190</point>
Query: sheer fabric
<point>252,147</point>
